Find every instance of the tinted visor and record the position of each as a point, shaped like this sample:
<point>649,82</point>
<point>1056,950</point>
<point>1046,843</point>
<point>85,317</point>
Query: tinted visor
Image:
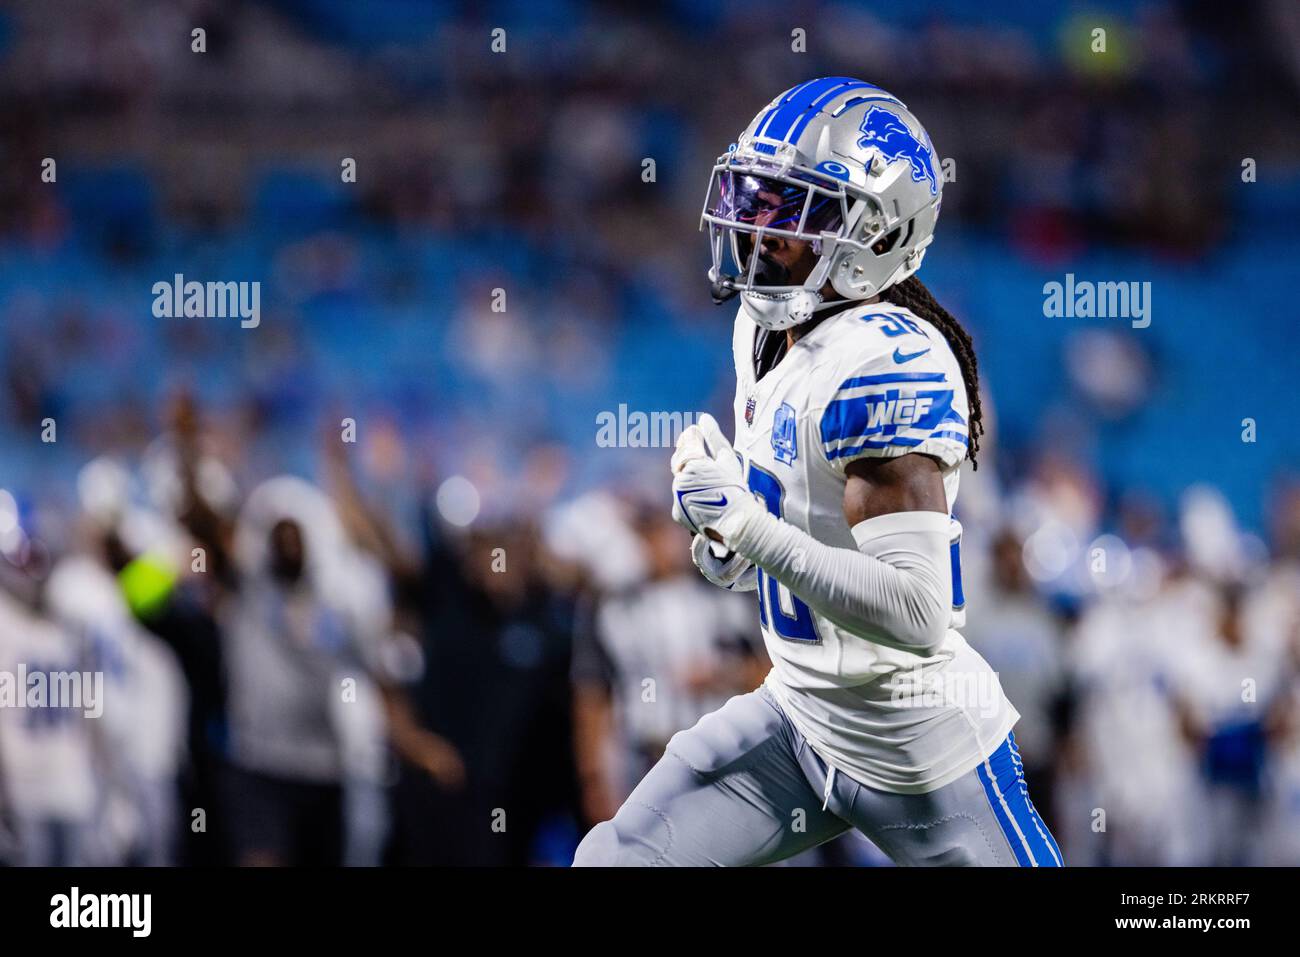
<point>771,203</point>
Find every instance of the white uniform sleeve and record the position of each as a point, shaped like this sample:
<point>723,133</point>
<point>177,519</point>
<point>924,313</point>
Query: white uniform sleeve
<point>896,589</point>
<point>907,396</point>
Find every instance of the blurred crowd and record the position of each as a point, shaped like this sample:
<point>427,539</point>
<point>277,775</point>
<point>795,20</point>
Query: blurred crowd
<point>458,629</point>
<point>293,675</point>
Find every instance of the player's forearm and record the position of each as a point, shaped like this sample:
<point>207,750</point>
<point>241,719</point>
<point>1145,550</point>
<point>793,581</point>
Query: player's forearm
<point>896,590</point>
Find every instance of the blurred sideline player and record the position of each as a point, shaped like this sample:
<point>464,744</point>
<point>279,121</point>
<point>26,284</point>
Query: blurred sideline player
<point>657,657</point>
<point>48,755</point>
<point>857,401</point>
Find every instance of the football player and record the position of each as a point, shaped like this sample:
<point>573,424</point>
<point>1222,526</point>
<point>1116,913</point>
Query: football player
<point>856,403</point>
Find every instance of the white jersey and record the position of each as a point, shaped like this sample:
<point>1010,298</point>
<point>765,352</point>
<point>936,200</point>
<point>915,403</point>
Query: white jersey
<point>47,755</point>
<point>146,699</point>
<point>873,380</point>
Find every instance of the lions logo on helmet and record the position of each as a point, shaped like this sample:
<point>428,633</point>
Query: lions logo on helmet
<point>887,133</point>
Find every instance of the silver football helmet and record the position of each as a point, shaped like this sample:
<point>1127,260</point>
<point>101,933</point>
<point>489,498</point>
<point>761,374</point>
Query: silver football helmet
<point>837,163</point>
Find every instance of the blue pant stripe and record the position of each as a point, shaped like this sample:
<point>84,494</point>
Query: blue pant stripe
<point>1031,825</point>
<point>1000,812</point>
<point>1035,829</point>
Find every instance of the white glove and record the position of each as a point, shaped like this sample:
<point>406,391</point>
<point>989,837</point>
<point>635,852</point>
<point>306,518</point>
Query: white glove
<point>709,490</point>
<point>737,573</point>
<point>690,445</point>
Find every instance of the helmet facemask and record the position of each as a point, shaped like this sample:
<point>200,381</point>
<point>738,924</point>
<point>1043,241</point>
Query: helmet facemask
<point>749,202</point>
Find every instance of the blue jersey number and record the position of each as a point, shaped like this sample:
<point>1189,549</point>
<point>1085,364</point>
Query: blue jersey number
<point>897,324</point>
<point>796,624</point>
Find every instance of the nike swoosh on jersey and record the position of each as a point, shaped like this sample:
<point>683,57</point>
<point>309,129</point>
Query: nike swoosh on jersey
<point>900,357</point>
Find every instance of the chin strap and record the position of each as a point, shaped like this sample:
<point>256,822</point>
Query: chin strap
<point>724,288</point>
<point>834,303</point>
<point>721,291</point>
<point>768,272</point>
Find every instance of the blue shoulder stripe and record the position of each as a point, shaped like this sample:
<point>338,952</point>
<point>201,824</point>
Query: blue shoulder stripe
<point>885,413</point>
<point>889,377</point>
<point>897,441</point>
<point>954,436</point>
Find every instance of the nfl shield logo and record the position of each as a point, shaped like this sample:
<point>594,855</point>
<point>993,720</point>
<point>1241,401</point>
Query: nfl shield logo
<point>784,443</point>
<point>749,410</point>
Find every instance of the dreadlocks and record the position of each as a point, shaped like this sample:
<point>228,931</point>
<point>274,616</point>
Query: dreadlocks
<point>912,294</point>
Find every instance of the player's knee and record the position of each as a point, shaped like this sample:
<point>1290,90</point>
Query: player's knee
<point>637,837</point>
<point>599,848</point>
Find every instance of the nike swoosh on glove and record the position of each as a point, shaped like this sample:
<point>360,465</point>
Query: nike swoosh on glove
<point>709,491</point>
<point>736,573</point>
